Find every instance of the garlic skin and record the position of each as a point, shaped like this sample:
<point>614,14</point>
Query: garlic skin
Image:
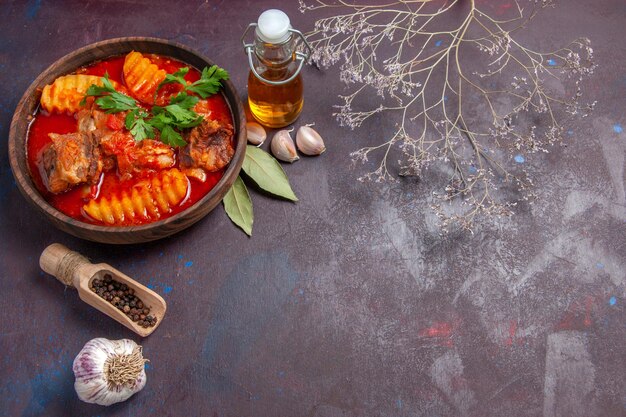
<point>309,141</point>
<point>109,371</point>
<point>256,133</point>
<point>283,147</point>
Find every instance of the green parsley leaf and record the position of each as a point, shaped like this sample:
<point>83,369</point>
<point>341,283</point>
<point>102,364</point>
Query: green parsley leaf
<point>184,100</point>
<point>171,137</point>
<point>164,124</point>
<point>141,130</point>
<point>109,99</point>
<point>159,121</point>
<point>130,119</point>
<point>116,102</point>
<point>106,83</point>
<point>209,83</point>
<point>183,117</point>
<point>96,90</point>
<point>177,77</point>
<point>156,110</point>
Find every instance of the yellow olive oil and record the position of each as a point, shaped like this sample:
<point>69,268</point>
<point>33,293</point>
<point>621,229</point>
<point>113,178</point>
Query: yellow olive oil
<point>275,105</point>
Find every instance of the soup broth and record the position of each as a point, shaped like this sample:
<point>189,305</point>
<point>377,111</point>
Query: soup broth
<point>110,185</point>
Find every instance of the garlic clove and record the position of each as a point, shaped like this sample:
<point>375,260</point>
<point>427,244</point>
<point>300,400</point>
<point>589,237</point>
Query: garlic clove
<point>283,147</point>
<point>309,141</point>
<point>256,133</point>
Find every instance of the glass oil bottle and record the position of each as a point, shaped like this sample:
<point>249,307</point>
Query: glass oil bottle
<point>275,89</point>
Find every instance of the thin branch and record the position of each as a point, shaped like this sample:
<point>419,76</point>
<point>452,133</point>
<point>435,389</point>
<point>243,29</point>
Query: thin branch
<point>437,96</point>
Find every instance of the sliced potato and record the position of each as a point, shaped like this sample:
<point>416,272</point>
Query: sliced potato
<point>142,77</point>
<point>148,200</point>
<point>66,92</point>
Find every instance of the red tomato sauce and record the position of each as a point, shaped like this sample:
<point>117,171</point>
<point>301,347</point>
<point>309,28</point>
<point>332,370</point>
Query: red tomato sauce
<point>72,201</point>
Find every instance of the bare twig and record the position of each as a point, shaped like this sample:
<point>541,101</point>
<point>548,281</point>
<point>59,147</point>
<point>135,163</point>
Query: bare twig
<point>428,75</point>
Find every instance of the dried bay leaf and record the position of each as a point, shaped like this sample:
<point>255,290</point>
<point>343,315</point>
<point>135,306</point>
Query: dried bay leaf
<point>238,206</point>
<point>267,173</point>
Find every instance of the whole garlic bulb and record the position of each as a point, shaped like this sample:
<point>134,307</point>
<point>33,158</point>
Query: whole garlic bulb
<point>309,141</point>
<point>109,371</point>
<point>283,148</point>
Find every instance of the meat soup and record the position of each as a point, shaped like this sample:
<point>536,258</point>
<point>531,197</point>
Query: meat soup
<point>130,140</point>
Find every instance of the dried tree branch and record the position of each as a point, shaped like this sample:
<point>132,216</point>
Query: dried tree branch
<point>435,78</point>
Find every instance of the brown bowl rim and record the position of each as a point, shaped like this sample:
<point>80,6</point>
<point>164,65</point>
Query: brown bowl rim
<point>25,183</point>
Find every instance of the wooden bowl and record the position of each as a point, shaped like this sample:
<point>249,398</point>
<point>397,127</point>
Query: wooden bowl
<point>128,234</point>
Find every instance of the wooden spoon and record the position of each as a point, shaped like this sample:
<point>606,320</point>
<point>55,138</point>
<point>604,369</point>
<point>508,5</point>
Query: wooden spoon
<point>74,270</point>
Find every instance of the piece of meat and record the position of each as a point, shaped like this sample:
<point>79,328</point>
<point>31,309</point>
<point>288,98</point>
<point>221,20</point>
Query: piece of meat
<point>120,148</point>
<point>93,122</point>
<point>203,108</point>
<point>69,160</point>
<point>209,146</point>
<point>197,173</point>
<point>134,157</point>
<point>148,153</point>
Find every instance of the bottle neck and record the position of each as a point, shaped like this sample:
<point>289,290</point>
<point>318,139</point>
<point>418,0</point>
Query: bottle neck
<point>275,55</point>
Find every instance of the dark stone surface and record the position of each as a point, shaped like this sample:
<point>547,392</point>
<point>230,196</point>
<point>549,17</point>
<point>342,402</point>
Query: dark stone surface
<point>348,303</point>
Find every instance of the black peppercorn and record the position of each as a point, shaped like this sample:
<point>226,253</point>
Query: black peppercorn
<point>124,299</point>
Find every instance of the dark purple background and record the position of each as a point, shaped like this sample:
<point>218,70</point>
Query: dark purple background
<point>348,303</point>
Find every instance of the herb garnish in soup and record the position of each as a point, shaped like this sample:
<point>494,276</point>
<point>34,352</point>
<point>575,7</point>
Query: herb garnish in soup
<point>130,140</point>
